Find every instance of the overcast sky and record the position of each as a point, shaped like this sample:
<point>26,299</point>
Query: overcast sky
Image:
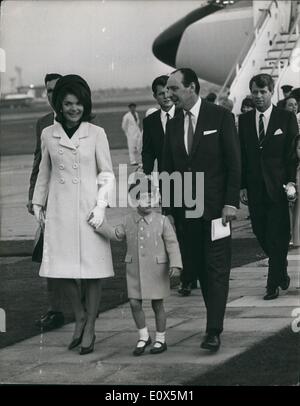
<point>109,42</point>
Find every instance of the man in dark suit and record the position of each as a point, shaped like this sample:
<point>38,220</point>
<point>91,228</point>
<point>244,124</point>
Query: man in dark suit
<point>154,126</point>
<point>267,137</point>
<point>202,138</point>
<point>54,317</point>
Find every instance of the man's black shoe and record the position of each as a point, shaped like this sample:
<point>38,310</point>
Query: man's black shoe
<point>272,293</point>
<point>184,289</point>
<point>286,283</point>
<point>211,342</point>
<point>194,284</point>
<point>51,320</point>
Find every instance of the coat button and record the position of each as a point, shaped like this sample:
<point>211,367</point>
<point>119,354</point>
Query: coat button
<point>61,166</point>
<point>61,180</point>
<point>75,166</point>
<point>189,168</point>
<point>75,180</point>
<point>60,151</point>
<point>142,228</point>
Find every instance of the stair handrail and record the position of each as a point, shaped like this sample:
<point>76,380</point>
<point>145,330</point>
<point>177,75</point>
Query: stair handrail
<point>277,62</point>
<point>243,53</point>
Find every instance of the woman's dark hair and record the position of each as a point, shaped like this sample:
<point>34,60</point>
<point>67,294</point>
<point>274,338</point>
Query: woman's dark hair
<point>143,184</point>
<point>83,95</point>
<point>288,98</point>
<point>247,102</point>
<point>296,94</point>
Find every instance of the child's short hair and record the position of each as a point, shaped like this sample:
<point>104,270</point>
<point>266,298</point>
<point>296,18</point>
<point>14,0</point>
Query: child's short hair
<point>141,185</point>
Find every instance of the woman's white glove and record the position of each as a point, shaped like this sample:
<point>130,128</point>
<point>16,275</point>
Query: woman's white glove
<point>96,216</point>
<point>106,181</point>
<point>174,272</point>
<point>39,214</point>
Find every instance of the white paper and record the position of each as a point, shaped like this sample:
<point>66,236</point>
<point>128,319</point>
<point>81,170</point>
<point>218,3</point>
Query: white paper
<point>219,231</point>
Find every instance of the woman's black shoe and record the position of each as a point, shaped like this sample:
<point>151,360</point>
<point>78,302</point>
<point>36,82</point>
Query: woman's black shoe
<point>76,341</point>
<point>90,348</point>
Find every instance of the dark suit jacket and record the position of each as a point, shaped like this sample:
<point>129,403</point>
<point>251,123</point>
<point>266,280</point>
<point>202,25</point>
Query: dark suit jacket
<point>274,164</point>
<point>42,123</point>
<point>216,154</point>
<point>153,141</point>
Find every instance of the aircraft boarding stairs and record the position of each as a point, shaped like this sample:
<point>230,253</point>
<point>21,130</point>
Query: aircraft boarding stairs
<point>268,50</point>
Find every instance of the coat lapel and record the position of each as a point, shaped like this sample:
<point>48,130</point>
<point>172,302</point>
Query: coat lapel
<point>82,132</point>
<point>65,141</point>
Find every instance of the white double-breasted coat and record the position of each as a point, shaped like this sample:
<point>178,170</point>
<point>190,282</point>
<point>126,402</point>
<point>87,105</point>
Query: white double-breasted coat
<point>68,181</point>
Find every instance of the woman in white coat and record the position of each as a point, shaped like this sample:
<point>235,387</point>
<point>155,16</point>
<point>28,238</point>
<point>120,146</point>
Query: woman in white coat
<point>75,179</point>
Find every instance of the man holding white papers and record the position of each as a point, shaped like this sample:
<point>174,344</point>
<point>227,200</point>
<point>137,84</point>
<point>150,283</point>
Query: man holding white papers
<point>202,138</point>
<point>267,137</point>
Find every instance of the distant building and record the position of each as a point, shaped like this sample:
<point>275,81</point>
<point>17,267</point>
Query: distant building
<point>32,90</point>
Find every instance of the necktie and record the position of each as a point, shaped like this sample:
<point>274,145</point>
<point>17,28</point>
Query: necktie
<point>134,116</point>
<point>190,132</point>
<point>261,128</point>
<point>168,119</point>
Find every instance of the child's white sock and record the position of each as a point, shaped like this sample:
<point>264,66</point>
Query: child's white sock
<point>161,337</point>
<point>144,335</point>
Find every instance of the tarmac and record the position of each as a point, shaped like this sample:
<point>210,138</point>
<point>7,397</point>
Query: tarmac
<point>45,359</point>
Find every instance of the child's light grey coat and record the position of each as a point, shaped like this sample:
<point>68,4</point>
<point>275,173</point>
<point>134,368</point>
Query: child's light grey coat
<point>152,248</point>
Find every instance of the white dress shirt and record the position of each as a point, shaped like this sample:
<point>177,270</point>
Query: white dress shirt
<point>163,117</point>
<point>266,119</point>
<point>194,114</point>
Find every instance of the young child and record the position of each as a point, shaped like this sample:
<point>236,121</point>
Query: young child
<point>152,248</point>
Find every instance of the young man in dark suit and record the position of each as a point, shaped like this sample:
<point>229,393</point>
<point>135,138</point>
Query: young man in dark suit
<point>202,138</point>
<point>267,137</point>
<point>154,126</point>
<point>54,317</point>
